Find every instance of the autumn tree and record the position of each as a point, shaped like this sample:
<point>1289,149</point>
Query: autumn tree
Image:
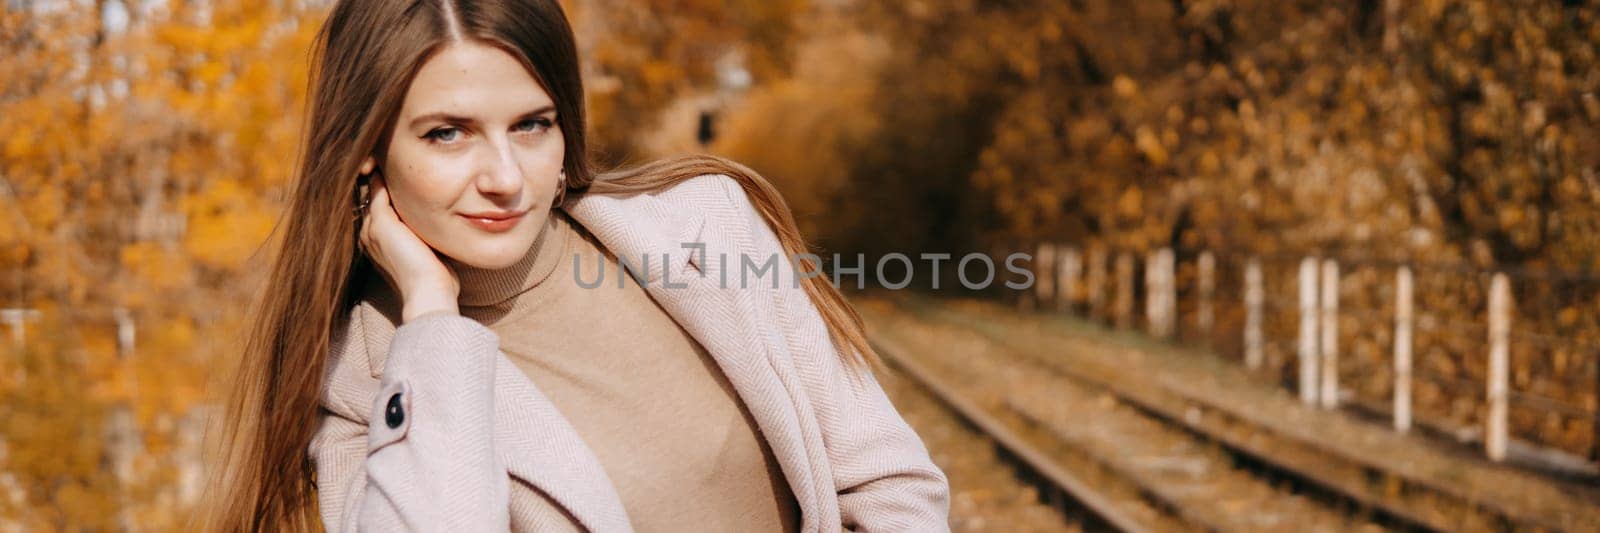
<point>144,169</point>
<point>1440,132</point>
<point>640,56</point>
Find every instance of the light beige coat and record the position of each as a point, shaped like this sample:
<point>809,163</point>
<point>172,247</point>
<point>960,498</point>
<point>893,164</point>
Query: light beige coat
<point>478,446</point>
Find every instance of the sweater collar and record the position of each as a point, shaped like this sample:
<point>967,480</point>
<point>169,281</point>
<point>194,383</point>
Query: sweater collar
<point>626,226</point>
<point>482,287</point>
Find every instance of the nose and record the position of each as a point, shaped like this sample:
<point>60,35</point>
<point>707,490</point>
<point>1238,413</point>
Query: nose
<point>501,178</point>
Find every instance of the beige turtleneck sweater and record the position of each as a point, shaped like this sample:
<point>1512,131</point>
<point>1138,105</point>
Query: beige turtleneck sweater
<point>671,433</point>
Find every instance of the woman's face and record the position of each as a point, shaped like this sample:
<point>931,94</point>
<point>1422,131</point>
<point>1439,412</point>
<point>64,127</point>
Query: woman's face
<point>474,162</point>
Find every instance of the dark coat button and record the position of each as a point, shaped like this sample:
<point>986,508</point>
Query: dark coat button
<point>394,415</point>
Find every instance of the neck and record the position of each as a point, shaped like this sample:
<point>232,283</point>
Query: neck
<point>487,287</point>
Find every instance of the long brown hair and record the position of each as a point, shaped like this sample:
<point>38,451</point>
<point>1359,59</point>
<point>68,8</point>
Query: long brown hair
<point>364,58</point>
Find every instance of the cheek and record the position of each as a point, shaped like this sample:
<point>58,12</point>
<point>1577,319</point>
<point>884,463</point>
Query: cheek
<point>544,162</point>
<point>420,185</point>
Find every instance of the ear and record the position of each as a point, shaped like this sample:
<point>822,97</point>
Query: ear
<point>368,164</point>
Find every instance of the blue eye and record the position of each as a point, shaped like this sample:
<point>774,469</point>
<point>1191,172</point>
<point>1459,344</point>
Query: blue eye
<point>445,134</point>
<point>534,124</point>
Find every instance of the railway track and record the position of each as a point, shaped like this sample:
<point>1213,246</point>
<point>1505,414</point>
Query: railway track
<point>1033,457</point>
<point>990,489</point>
<point>1136,458</point>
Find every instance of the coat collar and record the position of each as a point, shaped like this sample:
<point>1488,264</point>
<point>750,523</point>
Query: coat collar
<point>539,444</point>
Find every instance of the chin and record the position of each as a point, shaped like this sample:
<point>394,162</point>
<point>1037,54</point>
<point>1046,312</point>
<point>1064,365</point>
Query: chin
<point>494,254</point>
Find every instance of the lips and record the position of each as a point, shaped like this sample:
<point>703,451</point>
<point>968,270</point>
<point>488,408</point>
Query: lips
<point>495,221</point>
<point>495,215</point>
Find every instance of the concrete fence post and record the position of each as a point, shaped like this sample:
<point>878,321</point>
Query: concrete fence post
<point>1329,396</point>
<point>1071,262</point>
<point>1159,292</point>
<point>1494,440</point>
<point>1309,361</point>
<point>1097,283</point>
<point>1402,349</point>
<point>1253,296</point>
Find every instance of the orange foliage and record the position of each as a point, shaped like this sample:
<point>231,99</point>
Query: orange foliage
<point>143,164</point>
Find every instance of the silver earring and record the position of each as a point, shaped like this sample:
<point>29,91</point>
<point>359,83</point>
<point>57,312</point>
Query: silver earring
<point>363,198</point>
<point>561,188</point>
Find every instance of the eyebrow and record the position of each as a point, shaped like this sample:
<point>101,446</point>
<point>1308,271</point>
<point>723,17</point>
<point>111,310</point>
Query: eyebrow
<point>457,119</point>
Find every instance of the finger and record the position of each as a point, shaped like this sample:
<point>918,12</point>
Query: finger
<point>380,190</point>
<point>365,235</point>
<point>362,244</point>
<point>378,213</point>
<point>380,198</point>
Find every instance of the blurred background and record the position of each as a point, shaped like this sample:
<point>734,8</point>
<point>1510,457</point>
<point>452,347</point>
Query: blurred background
<point>1170,165</point>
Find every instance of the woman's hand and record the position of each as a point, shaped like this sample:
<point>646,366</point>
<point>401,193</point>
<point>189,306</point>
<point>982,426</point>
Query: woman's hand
<point>425,284</point>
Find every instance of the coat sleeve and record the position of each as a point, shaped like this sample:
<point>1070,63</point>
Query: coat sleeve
<point>418,454</point>
<point>882,472</point>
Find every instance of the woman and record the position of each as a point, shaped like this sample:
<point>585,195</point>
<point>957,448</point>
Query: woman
<point>443,359</point>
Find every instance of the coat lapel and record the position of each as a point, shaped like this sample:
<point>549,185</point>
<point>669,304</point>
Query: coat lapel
<point>539,445</point>
<point>536,443</point>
